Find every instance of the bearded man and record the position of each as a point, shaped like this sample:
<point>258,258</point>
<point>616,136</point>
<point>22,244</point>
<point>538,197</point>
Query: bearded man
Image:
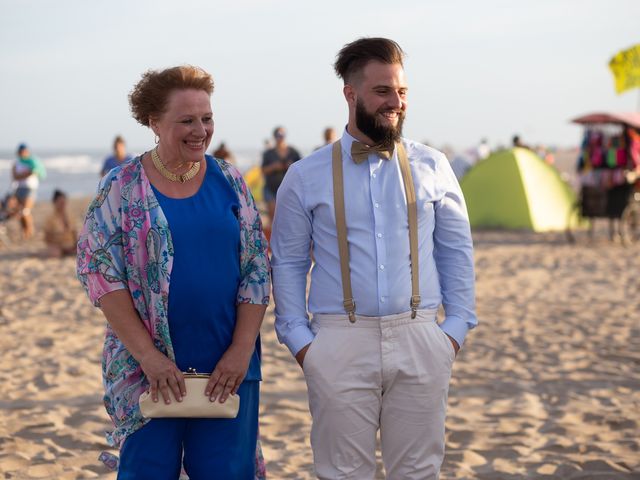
<point>387,225</point>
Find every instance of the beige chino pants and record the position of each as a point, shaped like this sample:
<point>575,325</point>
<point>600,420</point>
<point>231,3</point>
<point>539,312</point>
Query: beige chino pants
<point>390,373</point>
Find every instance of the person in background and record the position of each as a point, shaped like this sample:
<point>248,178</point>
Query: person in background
<point>27,172</point>
<point>544,153</point>
<point>275,163</point>
<point>223,153</point>
<point>173,253</point>
<point>329,135</point>
<point>483,150</point>
<point>118,157</point>
<point>373,356</point>
<point>60,233</point>
<point>517,142</point>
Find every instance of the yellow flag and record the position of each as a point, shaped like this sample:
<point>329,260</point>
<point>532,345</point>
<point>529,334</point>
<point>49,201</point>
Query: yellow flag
<point>625,66</point>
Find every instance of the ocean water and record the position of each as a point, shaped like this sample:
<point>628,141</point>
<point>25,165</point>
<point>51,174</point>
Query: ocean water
<point>77,172</point>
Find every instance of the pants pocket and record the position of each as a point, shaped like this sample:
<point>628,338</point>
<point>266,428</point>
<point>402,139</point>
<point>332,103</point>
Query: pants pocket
<point>307,358</point>
<point>448,346</point>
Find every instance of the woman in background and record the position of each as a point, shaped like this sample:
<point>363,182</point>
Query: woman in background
<point>26,173</point>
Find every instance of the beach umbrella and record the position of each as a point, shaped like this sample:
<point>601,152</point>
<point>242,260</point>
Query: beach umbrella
<point>516,189</point>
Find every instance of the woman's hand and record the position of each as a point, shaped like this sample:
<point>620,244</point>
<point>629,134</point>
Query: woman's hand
<point>229,372</point>
<point>163,375</point>
<point>161,372</point>
<point>456,347</point>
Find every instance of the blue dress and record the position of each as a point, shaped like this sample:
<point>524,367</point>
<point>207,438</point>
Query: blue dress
<point>202,315</point>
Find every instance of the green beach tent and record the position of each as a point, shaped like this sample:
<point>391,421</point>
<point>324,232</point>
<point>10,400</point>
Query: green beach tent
<point>517,189</point>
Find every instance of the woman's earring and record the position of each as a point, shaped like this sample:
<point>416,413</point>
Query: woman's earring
<point>157,139</point>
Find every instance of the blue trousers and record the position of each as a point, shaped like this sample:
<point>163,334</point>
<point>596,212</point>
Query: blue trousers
<point>210,448</point>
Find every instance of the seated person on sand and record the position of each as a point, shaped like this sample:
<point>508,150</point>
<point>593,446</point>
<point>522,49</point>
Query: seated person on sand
<point>60,234</point>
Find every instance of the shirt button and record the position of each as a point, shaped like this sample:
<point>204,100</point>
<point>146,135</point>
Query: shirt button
<point>381,299</point>
<point>373,175</point>
<point>379,235</point>
<point>381,267</point>
<point>376,205</point>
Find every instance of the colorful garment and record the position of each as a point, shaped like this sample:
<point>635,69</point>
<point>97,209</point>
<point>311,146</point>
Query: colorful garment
<point>35,165</point>
<point>126,244</point>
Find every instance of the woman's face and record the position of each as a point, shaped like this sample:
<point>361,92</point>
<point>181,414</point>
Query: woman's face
<point>186,127</point>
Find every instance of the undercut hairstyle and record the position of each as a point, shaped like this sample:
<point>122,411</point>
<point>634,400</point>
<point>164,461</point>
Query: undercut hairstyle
<point>150,95</point>
<point>354,56</point>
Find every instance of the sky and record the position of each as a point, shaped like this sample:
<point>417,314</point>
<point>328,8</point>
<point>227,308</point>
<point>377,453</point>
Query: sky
<point>475,69</point>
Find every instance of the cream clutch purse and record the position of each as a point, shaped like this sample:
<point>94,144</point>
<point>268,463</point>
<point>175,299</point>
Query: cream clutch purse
<point>194,404</point>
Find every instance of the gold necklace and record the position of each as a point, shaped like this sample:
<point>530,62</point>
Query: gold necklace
<point>185,177</point>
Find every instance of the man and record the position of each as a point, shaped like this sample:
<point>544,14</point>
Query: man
<point>275,163</point>
<point>26,174</point>
<point>375,359</point>
<point>119,156</point>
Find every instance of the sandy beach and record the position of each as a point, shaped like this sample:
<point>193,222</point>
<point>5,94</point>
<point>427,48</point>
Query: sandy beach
<point>547,387</point>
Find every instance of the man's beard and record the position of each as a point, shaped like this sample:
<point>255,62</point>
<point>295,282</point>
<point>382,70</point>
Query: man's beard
<point>373,128</point>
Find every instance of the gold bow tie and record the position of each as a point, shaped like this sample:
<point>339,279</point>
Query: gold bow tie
<point>360,151</point>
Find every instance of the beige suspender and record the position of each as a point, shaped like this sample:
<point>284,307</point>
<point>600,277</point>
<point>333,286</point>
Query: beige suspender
<point>341,227</point>
<point>412,213</point>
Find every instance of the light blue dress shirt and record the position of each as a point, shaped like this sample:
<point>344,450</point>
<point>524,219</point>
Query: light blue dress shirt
<point>378,236</point>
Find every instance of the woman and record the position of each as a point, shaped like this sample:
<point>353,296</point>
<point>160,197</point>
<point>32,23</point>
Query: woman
<point>172,251</point>
<point>60,234</point>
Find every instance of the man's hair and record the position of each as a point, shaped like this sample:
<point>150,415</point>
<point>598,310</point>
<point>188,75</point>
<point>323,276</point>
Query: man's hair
<point>150,95</point>
<point>354,56</point>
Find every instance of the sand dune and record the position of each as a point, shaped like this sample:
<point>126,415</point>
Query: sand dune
<point>547,387</point>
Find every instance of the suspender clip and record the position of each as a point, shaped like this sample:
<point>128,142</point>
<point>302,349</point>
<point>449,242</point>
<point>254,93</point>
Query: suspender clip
<point>415,303</point>
<point>350,308</point>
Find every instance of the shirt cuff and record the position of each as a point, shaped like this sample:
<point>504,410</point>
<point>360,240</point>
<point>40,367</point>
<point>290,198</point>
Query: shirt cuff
<point>298,338</point>
<point>456,328</point>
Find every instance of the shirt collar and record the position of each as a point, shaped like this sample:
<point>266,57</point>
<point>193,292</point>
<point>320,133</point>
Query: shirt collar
<point>346,142</point>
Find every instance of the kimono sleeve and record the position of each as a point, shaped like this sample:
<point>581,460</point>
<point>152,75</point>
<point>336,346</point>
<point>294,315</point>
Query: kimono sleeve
<point>255,278</point>
<point>101,261</point>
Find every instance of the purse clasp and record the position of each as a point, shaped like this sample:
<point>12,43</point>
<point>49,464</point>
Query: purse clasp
<point>193,373</point>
